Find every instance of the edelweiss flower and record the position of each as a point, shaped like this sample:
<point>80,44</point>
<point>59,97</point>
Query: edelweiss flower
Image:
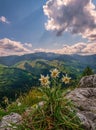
<point>54,73</point>
<point>66,79</point>
<point>44,80</point>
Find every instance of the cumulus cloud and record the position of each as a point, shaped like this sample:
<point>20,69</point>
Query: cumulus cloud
<point>10,47</point>
<point>75,16</point>
<point>78,48</point>
<point>4,20</point>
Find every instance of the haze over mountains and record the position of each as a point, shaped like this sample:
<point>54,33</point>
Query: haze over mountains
<point>83,59</point>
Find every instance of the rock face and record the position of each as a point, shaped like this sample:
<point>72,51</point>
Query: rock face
<point>85,101</point>
<point>88,81</point>
<point>8,120</point>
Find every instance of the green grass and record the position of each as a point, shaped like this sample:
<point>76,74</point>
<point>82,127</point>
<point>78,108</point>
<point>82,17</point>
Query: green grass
<point>26,101</point>
<point>57,113</point>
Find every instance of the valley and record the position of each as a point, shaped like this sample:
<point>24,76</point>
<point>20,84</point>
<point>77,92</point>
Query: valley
<point>18,74</point>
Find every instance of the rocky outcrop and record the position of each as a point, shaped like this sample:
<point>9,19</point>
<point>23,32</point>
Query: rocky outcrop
<point>84,98</point>
<point>7,121</point>
<point>85,101</point>
<point>88,81</point>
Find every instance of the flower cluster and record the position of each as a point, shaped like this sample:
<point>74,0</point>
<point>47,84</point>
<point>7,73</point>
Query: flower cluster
<point>54,74</point>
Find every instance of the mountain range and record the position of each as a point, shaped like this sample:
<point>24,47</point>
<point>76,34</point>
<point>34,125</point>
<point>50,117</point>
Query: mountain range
<point>83,59</point>
<point>19,73</point>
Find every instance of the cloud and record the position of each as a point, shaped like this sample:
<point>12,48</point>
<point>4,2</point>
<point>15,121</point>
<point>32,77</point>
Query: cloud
<point>75,16</point>
<point>4,20</point>
<point>78,48</point>
<point>10,47</point>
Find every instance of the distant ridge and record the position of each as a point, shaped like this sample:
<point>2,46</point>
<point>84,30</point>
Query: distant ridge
<point>84,59</point>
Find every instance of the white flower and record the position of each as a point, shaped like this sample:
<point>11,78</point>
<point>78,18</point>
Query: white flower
<point>66,79</point>
<point>14,127</point>
<point>19,104</point>
<point>44,80</point>
<point>54,73</point>
<point>9,125</point>
<point>41,103</point>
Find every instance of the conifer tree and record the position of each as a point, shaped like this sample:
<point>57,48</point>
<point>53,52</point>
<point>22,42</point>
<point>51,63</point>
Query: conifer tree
<point>87,71</point>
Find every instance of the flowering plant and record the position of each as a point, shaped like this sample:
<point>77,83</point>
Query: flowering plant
<point>55,111</point>
<point>45,80</point>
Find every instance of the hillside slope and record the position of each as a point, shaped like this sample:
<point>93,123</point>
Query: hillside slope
<point>14,81</point>
<point>41,66</point>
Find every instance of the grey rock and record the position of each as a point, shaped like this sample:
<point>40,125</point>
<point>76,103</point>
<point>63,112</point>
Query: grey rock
<point>8,120</point>
<point>88,81</point>
<point>85,101</point>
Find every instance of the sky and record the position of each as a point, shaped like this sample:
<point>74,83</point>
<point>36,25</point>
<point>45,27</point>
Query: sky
<point>58,26</point>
